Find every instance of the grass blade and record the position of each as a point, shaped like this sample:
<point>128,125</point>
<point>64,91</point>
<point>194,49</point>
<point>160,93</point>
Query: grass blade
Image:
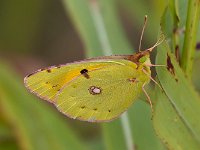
<point>169,125</point>
<point>189,46</point>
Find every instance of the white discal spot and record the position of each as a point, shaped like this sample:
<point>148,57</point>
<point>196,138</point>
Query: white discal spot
<point>94,90</point>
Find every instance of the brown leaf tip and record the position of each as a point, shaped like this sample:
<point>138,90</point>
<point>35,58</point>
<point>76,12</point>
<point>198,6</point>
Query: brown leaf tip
<point>170,66</point>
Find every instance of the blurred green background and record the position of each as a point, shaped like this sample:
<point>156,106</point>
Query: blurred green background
<point>39,33</point>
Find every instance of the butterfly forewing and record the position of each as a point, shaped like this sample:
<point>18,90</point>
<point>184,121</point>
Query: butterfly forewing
<point>46,83</point>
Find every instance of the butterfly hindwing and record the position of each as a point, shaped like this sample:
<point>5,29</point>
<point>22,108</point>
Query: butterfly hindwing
<point>92,91</point>
<point>103,96</point>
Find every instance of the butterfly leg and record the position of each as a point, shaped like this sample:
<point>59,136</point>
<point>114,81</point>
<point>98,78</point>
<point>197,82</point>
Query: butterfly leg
<point>153,65</point>
<point>148,97</point>
<point>152,79</point>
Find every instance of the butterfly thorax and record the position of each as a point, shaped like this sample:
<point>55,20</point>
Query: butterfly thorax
<point>145,65</point>
<point>142,59</point>
<point>138,57</point>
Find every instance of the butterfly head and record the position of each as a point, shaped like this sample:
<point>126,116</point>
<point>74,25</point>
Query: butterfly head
<point>143,57</point>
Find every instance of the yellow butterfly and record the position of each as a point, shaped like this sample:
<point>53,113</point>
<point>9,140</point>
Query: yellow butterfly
<point>94,90</point>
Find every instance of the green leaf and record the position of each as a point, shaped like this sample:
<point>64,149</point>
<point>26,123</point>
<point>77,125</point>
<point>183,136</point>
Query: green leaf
<point>141,123</point>
<point>36,125</point>
<point>189,45</point>
<point>169,125</point>
<point>196,71</point>
<point>175,117</point>
<point>167,24</point>
<point>113,133</point>
<point>82,18</point>
<point>173,24</point>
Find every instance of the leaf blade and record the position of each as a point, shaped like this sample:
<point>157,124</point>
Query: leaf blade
<point>183,97</point>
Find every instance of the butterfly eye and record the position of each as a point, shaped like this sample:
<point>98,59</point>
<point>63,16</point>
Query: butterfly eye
<point>143,59</point>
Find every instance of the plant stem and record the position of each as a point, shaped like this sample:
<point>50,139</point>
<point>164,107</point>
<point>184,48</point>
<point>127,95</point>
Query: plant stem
<point>107,50</point>
<point>192,22</point>
<point>175,37</point>
<point>100,28</point>
<point>127,131</point>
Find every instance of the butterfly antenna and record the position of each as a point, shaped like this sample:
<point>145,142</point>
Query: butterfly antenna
<point>144,26</point>
<point>160,40</point>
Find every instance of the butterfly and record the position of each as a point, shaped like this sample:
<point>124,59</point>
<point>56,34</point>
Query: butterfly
<point>97,89</point>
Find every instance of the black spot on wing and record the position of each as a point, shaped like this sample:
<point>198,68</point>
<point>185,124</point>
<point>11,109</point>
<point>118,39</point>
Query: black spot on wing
<point>82,107</point>
<point>84,72</point>
<point>49,70</point>
<point>55,86</point>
